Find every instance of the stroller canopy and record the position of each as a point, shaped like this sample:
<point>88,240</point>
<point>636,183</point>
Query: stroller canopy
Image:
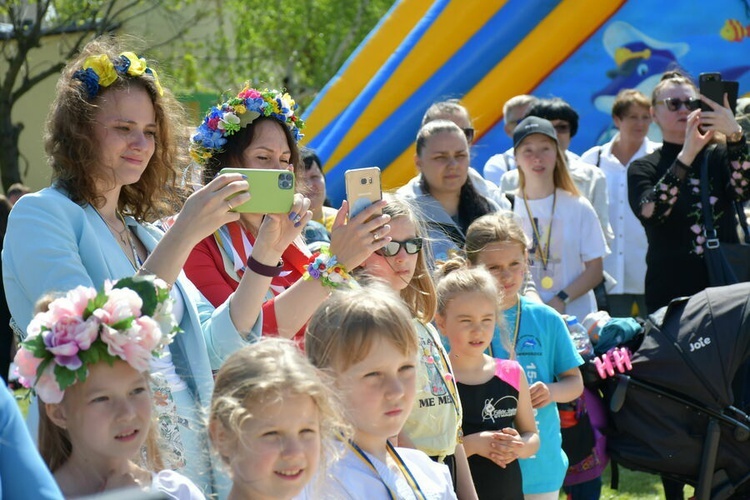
<point>701,344</point>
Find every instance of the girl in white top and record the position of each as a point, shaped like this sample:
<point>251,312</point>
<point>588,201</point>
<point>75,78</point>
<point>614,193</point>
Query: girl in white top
<point>627,262</point>
<point>567,241</point>
<point>366,339</point>
<point>273,420</point>
<point>87,357</point>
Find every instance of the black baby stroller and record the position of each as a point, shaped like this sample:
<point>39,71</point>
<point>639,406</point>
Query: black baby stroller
<point>676,412</point>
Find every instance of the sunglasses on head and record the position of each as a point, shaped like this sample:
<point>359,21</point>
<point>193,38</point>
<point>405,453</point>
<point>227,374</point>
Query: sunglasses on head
<point>674,103</point>
<point>469,133</point>
<point>411,246</point>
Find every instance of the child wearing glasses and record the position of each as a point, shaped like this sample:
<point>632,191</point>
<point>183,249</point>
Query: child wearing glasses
<point>664,188</point>
<point>434,423</point>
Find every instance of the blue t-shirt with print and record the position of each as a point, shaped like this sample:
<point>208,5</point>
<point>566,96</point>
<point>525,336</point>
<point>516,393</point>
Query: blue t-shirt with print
<point>544,350</point>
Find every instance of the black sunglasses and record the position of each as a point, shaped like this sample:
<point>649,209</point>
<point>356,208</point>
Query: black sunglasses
<point>469,133</point>
<point>411,246</point>
<point>674,103</point>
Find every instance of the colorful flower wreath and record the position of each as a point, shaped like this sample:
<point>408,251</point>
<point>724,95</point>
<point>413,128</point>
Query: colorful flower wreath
<point>131,319</point>
<point>100,71</point>
<point>229,117</point>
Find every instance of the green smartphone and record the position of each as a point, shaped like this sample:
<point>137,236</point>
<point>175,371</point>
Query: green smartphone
<point>271,191</point>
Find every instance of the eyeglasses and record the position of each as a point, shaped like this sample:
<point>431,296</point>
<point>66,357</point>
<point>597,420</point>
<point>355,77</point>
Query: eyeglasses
<point>469,133</point>
<point>674,103</point>
<point>411,246</point>
<point>562,128</point>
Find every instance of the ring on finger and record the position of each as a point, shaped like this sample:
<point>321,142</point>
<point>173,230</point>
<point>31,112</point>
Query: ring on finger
<point>229,205</point>
<point>375,236</point>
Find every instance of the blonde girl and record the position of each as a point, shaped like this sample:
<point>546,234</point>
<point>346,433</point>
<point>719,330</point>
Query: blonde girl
<point>537,338</point>
<point>434,424</point>
<point>273,416</point>
<point>87,358</point>
<point>365,338</point>
<point>567,243</point>
<point>498,420</point>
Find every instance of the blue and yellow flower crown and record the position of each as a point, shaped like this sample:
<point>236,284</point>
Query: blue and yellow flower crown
<point>99,71</point>
<point>229,117</point>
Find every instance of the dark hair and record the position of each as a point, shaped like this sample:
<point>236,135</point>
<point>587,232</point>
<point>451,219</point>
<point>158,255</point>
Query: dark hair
<point>309,156</point>
<point>73,150</point>
<point>236,144</point>
<point>555,109</point>
<point>18,188</point>
<point>673,77</point>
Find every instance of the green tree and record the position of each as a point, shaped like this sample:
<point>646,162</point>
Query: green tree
<point>25,25</point>
<point>295,44</point>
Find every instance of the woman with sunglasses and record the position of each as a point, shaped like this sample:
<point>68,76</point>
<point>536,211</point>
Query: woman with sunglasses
<point>664,188</point>
<point>435,420</point>
<point>447,198</point>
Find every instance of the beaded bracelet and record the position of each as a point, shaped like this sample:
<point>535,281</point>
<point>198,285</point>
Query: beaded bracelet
<point>325,267</point>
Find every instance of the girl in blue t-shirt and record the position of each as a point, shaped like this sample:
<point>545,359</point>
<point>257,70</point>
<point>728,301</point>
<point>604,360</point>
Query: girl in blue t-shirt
<point>537,338</point>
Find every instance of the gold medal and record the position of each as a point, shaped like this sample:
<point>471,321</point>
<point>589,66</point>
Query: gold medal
<point>547,282</point>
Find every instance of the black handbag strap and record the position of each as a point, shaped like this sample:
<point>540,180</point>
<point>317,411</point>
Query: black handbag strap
<point>712,239</point>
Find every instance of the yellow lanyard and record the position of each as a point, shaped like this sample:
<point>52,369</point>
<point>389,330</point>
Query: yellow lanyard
<point>399,463</point>
<point>544,255</point>
<point>514,340</point>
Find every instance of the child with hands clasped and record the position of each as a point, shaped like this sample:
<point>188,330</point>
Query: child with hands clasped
<point>365,338</point>
<point>498,419</point>
<point>274,419</point>
<point>538,339</point>
<point>87,357</point>
<point>434,424</point>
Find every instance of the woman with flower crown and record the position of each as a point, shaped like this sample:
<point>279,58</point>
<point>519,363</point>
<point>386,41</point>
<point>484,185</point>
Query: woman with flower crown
<point>259,129</point>
<point>87,357</point>
<point>112,140</point>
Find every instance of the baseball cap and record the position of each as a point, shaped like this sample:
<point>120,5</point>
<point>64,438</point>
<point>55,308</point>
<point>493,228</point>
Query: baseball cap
<point>533,125</point>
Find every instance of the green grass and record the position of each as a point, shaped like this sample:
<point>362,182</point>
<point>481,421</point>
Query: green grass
<point>635,486</point>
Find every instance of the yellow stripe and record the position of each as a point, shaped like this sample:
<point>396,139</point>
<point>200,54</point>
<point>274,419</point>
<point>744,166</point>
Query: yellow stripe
<point>362,68</point>
<point>549,44</point>
<point>458,22</point>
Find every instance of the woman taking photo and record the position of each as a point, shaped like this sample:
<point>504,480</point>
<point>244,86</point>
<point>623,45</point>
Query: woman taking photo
<point>664,188</point>
<point>113,147</point>
<point>258,129</point>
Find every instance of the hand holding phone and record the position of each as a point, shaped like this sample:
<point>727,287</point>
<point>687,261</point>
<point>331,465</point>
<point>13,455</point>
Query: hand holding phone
<point>362,188</point>
<point>271,191</point>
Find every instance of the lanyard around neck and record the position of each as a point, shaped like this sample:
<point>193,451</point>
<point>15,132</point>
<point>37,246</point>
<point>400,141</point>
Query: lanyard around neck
<point>514,339</point>
<point>359,452</point>
<point>544,255</point>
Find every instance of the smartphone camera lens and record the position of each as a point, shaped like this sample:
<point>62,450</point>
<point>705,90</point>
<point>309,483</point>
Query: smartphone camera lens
<point>363,181</point>
<point>285,180</point>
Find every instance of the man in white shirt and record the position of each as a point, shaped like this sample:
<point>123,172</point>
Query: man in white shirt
<point>514,110</point>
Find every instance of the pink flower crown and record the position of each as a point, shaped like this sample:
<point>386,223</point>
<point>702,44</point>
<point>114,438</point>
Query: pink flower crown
<point>131,319</point>
<point>238,112</point>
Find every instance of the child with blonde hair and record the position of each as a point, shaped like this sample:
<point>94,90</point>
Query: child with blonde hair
<point>87,358</point>
<point>537,338</point>
<point>498,419</point>
<point>273,420</point>
<point>365,338</point>
<point>434,423</point>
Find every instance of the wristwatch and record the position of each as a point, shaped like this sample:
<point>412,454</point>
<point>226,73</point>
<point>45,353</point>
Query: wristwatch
<point>563,296</point>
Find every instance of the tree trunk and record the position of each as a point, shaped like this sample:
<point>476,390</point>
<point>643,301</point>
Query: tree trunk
<point>9,153</point>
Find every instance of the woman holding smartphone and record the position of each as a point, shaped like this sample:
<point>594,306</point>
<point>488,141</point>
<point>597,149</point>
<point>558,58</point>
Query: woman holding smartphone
<point>664,187</point>
<point>258,129</point>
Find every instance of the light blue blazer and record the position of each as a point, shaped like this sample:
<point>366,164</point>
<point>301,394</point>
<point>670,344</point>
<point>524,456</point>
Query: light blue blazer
<point>53,245</point>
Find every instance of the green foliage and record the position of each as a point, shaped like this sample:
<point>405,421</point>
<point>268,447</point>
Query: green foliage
<point>293,44</point>
<point>149,293</point>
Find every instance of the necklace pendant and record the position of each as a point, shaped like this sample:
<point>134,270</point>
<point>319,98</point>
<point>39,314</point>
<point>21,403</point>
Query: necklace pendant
<point>547,282</point>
